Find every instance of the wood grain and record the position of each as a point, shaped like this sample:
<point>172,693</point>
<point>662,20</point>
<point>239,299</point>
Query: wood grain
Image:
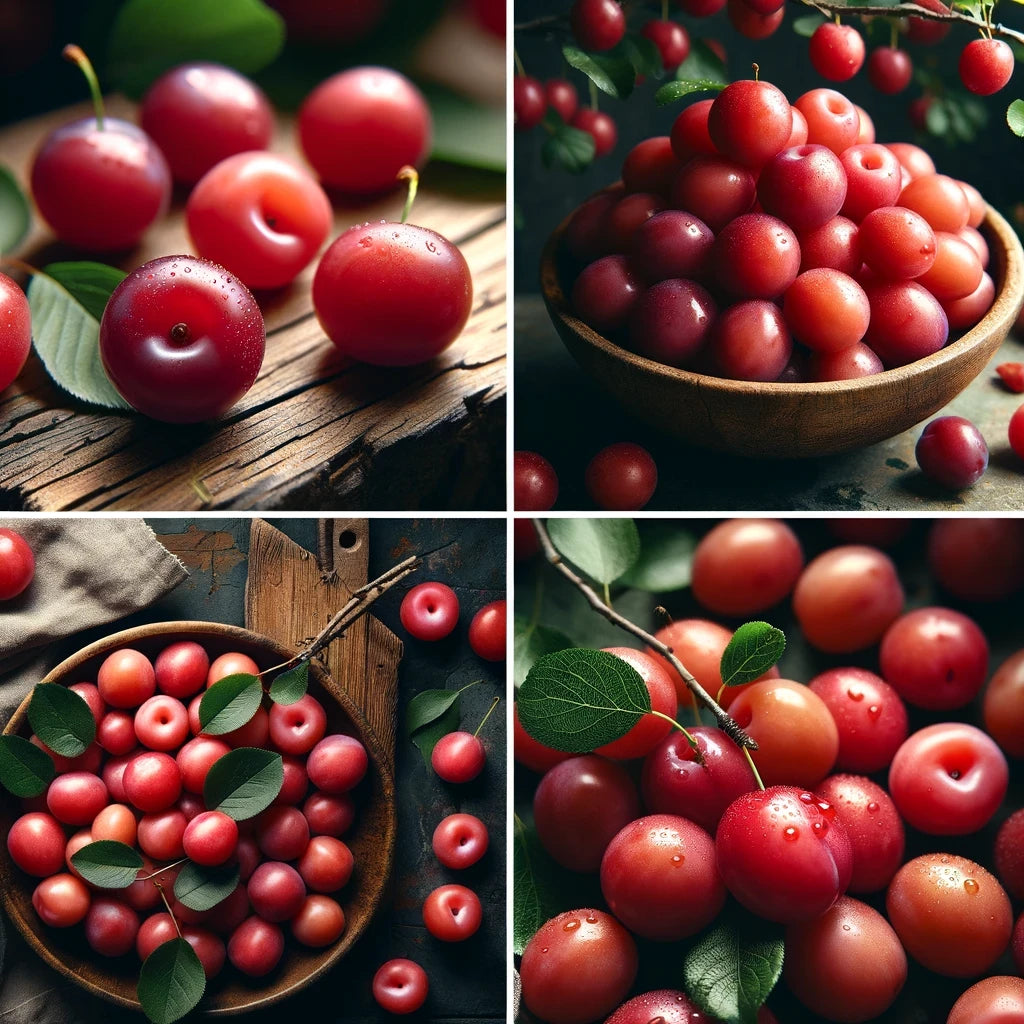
<point>315,431</point>
<point>771,420</point>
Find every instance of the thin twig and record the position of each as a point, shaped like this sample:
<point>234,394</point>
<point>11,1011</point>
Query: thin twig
<point>725,723</point>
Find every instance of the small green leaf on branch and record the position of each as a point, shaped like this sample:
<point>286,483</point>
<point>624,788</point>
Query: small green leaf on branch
<point>571,149</point>
<point>672,91</point>
<point>430,715</point>
<point>754,648</point>
<point>25,769</point>
<point>641,53</point>
<point>230,703</point>
<point>666,559</point>
<point>533,641</point>
<point>61,719</point>
<point>1015,117</point>
<point>702,64</point>
<point>603,548</point>
<point>171,982</point>
<point>243,782</point>
<point>15,217</point>
<point>613,75</point>
<point>580,699</point>
<point>108,864</point>
<point>202,888</point>
<point>807,25</point>
<point>291,685</point>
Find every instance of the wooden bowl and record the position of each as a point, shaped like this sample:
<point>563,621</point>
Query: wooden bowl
<point>371,839</point>
<point>789,420</point>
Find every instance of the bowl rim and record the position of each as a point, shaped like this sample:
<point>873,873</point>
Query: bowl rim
<point>323,678</point>
<point>1005,306</point>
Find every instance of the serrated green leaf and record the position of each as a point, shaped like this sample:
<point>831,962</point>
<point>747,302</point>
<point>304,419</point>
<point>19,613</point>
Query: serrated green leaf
<point>579,699</point>
<point>149,37</point>
<point>66,330</point>
<point>244,782</point>
<point>15,216</point>
<point>672,91</point>
<point>1015,117</point>
<point>25,769</point>
<point>665,562</point>
<point>571,149</point>
<point>171,982</point>
<point>465,132</point>
<point>754,648</point>
<point>534,886</point>
<point>703,64</point>
<point>202,888</point>
<point>731,971</point>
<point>61,719</point>
<point>291,685</point>
<point>230,703</point>
<point>603,548</point>
<point>425,739</point>
<point>611,74</point>
<point>108,864</point>
<point>641,53</point>
<point>531,642</point>
<point>808,24</point>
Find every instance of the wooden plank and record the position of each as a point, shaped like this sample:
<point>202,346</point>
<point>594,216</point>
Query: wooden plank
<point>314,431</point>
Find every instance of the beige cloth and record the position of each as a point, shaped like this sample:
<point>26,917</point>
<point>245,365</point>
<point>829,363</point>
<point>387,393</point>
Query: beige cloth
<point>89,572</point>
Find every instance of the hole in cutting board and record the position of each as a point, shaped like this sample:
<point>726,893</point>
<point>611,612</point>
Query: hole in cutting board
<point>349,540</point>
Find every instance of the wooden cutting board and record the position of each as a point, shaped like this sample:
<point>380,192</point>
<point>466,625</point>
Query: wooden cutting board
<point>314,432</point>
<point>290,594</point>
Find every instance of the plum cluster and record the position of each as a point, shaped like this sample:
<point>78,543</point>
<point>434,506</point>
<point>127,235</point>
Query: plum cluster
<point>845,772</point>
<point>141,783</point>
<point>770,241</point>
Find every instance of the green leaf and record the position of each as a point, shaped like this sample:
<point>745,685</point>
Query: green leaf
<point>171,982</point>
<point>754,648</point>
<point>108,864</point>
<point>703,64</point>
<point>61,719</point>
<point>25,770</point>
<point>731,971</point>
<point>150,37</point>
<point>533,641</point>
<point>641,53</point>
<point>202,888</point>
<point>67,301</point>
<point>580,699</point>
<point>666,558</point>
<point>1015,117</point>
<point>672,91</point>
<point>290,685</point>
<point>465,132</point>
<point>430,715</point>
<point>571,149</point>
<point>244,782</point>
<point>15,217</point>
<point>613,75</point>
<point>230,703</point>
<point>808,24</point>
<point>603,548</point>
<point>535,885</point>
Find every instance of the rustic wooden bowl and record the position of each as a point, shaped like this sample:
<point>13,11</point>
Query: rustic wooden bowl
<point>788,420</point>
<point>371,839</point>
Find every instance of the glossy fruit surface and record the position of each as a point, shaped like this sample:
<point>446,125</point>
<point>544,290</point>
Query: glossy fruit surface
<point>452,913</point>
<point>458,757</point>
<point>529,103</point>
<point>181,669</point>
<point>400,986</point>
<point>297,728</point>
<point>837,51</point>
<point>948,779</point>
<point>199,114</point>
<point>847,965</point>
<point>977,559</point>
<point>578,967</point>
<point>783,854</point>
<point>430,611</point>
<point>17,564</point>
<point>361,126</point>
<point>952,451</point>
<point>579,806</point>
<point>1003,708</point>
<point>651,729</point>
<point>15,331</point>
<point>531,754</point>
<point>61,900</point>
<point>659,878</point>
<point>622,476</point>
<point>152,781</point>
<point>487,632</point>
<point>460,840</point>
<point>392,294</point>
<point>256,947</point>
<point>181,339</point>
<point>1009,854</point>
<point>259,215</point>
<point>985,66</point>
<point>951,915</point>
<point>996,1000</point>
<point>118,167</point>
<point>597,24</point>
<point>210,838</point>
<point>35,842</point>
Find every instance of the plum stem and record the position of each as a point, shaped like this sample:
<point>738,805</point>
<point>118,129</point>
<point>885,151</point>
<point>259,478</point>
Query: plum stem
<point>174,920</point>
<point>76,55</point>
<point>411,175</point>
<point>698,755</point>
<point>725,722</point>
<point>753,768</point>
<point>494,704</point>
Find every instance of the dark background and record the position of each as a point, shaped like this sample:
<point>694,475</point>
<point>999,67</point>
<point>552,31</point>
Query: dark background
<point>926,997</point>
<point>467,979</point>
<point>544,197</point>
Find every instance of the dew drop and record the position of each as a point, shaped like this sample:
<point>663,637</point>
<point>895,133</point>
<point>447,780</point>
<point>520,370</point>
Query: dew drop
<point>571,925</point>
<point>873,807</point>
<point>846,927</point>
<point>591,919</point>
<point>827,810</point>
<point>875,711</point>
<point>807,798</point>
<point>819,828</point>
<point>188,270</point>
<point>791,834</point>
<point>971,886</point>
<point>855,694</point>
<point>677,859</point>
<point>544,949</point>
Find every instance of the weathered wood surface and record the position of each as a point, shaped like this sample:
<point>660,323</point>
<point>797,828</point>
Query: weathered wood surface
<point>315,432</point>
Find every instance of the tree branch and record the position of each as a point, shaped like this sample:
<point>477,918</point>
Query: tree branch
<point>725,723</point>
